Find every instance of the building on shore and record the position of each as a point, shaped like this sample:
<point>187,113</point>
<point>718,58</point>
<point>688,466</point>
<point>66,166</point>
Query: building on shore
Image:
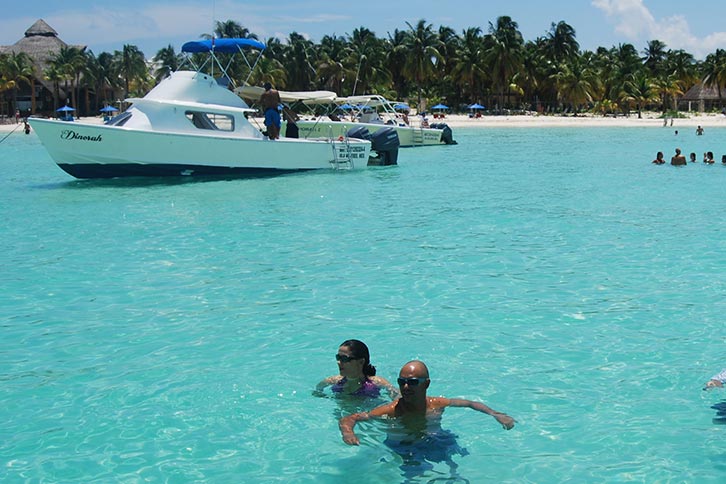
<point>42,44</point>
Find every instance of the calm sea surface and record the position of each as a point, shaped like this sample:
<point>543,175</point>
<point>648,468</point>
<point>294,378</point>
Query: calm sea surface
<point>173,330</point>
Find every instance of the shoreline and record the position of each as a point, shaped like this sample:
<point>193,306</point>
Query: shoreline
<point>533,121</point>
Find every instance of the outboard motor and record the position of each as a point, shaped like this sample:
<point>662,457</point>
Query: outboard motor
<point>385,143</point>
<point>359,132</point>
<point>446,136</point>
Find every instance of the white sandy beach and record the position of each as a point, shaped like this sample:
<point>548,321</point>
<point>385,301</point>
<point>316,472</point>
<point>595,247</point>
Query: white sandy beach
<point>537,121</point>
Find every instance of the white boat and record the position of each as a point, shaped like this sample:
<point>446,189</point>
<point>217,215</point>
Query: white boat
<point>190,124</point>
<point>374,113</point>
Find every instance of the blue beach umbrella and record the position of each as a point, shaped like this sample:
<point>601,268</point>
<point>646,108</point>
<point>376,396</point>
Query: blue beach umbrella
<point>401,106</point>
<point>345,107</point>
<point>441,106</point>
<point>108,109</point>
<point>65,109</point>
<point>476,106</point>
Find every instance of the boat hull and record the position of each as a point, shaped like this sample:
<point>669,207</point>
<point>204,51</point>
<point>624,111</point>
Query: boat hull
<point>100,151</point>
<point>408,136</point>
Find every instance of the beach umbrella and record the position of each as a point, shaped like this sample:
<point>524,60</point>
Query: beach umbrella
<point>476,106</point>
<point>441,106</point>
<point>345,107</point>
<point>108,109</point>
<point>65,109</point>
<point>401,106</point>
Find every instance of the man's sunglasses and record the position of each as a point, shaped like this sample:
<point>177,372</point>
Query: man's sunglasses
<point>345,358</point>
<point>412,382</point>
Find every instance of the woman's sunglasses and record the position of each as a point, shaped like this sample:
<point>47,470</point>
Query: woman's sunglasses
<point>412,382</point>
<point>345,358</point>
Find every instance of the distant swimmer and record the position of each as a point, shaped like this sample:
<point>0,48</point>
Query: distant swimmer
<point>418,414</point>
<point>659,158</point>
<point>709,158</point>
<point>678,159</point>
<point>716,380</point>
<point>692,157</point>
<point>699,131</point>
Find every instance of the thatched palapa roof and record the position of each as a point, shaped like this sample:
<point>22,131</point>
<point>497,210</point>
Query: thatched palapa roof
<point>701,92</point>
<point>41,44</point>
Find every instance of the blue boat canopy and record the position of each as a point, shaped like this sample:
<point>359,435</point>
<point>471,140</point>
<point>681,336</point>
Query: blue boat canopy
<point>225,45</point>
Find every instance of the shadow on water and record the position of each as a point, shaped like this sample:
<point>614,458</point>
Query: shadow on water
<point>145,182</point>
<point>720,418</point>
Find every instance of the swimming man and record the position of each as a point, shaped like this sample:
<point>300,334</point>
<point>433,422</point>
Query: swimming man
<point>414,409</point>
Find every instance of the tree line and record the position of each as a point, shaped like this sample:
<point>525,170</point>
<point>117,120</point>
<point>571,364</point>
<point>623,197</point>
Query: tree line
<point>421,64</point>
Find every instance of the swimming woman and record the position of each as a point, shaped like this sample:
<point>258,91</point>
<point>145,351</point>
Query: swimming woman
<point>357,377</point>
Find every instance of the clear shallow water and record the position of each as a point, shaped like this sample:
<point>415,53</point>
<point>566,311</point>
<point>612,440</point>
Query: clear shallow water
<point>172,331</point>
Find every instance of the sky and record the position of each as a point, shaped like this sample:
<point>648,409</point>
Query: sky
<point>106,25</point>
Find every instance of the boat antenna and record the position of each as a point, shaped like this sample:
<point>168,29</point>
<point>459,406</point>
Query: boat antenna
<point>355,84</point>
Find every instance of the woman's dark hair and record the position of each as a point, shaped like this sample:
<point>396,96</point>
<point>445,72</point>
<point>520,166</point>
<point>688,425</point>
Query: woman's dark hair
<point>360,350</point>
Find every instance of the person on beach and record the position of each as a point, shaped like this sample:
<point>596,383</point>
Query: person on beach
<point>26,127</point>
<point>678,159</point>
<point>17,116</point>
<point>418,413</point>
<point>357,377</point>
<point>692,157</point>
<point>659,158</point>
<point>270,100</point>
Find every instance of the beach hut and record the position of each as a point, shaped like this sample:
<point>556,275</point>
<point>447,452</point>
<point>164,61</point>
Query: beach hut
<point>705,98</point>
<point>42,44</point>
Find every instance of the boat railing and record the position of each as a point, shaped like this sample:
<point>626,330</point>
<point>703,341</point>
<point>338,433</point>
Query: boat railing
<point>215,46</point>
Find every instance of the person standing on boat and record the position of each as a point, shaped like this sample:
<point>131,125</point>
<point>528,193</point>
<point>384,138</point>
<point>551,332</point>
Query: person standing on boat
<point>270,100</point>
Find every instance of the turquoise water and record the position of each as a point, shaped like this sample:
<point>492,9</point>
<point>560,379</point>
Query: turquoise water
<point>173,331</point>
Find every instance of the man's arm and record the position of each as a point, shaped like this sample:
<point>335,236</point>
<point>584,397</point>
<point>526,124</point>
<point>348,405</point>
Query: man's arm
<point>505,420</point>
<point>346,424</point>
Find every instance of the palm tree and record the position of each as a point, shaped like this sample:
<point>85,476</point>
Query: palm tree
<point>230,29</point>
<point>422,53</point>
<point>504,53</point>
<point>130,65</point>
<point>576,83</point>
<point>560,44</point>
<point>639,88</point>
<point>70,62</point>
<point>654,56</point>
<point>467,64</point>
<point>396,59</point>
<point>713,70</point>
<point>299,62</point>
<point>17,68</point>
<point>168,61</point>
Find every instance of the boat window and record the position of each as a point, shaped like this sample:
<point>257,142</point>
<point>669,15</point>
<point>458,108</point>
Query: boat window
<point>211,121</point>
<point>119,120</point>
